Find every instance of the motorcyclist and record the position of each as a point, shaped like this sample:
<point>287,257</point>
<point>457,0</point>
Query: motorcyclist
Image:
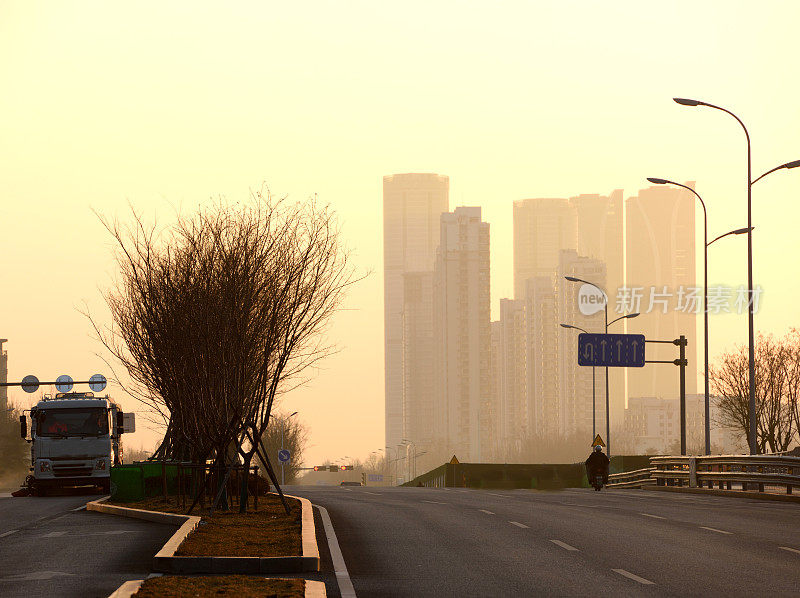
<point>597,463</point>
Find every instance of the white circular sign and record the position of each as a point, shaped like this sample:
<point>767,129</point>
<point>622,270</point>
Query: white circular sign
<point>64,383</point>
<point>590,300</point>
<point>97,382</point>
<point>30,383</point>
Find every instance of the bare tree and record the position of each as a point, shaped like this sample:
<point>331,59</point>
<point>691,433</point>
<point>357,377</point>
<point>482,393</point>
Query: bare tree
<point>774,389</point>
<point>219,315</point>
<point>294,436</point>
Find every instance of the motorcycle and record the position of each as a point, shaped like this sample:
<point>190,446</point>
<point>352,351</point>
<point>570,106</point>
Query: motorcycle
<point>597,481</point>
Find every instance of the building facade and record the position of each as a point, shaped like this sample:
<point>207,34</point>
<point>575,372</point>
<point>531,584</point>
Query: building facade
<point>464,417</point>
<point>412,204</point>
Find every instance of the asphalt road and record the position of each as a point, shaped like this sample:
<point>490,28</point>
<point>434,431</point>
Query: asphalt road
<point>49,549</point>
<point>456,542</point>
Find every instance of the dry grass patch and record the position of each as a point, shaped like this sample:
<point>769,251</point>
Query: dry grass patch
<point>264,533</point>
<point>224,585</point>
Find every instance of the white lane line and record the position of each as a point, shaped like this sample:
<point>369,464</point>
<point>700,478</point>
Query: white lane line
<point>563,545</point>
<point>630,575</point>
<point>713,529</point>
<point>374,493</point>
<point>434,502</point>
<point>781,547</point>
<point>653,516</point>
<point>518,524</point>
<point>81,508</point>
<point>54,535</point>
<point>500,495</point>
<point>5,495</point>
<point>485,511</point>
<point>13,531</point>
<point>342,578</point>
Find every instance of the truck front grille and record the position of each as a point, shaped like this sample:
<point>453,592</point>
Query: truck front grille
<point>71,471</point>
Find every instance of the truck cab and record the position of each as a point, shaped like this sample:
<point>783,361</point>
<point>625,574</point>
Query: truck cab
<point>75,439</point>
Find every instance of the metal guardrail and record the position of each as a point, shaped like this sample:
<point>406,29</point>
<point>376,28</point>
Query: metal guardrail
<point>752,472</point>
<point>632,479</point>
<point>725,472</point>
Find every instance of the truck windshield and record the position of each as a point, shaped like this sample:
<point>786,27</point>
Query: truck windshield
<point>73,422</point>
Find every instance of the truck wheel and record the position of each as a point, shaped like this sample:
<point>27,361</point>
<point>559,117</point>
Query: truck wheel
<point>105,486</point>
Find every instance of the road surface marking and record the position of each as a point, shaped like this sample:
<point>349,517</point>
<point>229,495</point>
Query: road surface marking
<point>348,489</point>
<point>630,575</point>
<point>5,495</point>
<point>81,508</point>
<point>563,545</point>
<point>375,493</point>
<point>13,531</point>
<point>713,529</point>
<point>500,495</point>
<point>54,535</point>
<point>781,547</point>
<point>518,524</point>
<point>481,510</point>
<point>434,502</point>
<point>653,516</point>
<point>37,576</point>
<point>342,578</point>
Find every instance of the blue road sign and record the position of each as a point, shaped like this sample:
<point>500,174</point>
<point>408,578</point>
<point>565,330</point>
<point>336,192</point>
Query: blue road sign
<point>284,455</point>
<point>611,350</point>
<point>375,477</point>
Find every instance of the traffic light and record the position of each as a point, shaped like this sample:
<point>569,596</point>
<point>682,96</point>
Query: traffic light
<point>347,467</point>
<point>319,468</point>
<point>343,467</point>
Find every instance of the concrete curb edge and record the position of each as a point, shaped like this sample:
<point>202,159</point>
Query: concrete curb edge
<point>314,589</point>
<point>165,560</point>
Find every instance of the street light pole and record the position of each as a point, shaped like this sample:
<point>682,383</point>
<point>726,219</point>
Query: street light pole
<point>751,362</point>
<point>594,409</point>
<point>607,324</point>
<point>706,243</point>
<point>283,429</point>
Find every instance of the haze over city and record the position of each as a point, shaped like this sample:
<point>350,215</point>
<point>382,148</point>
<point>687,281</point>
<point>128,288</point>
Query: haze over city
<point>161,109</point>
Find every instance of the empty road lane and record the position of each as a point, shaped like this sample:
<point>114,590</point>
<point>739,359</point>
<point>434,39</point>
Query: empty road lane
<point>443,542</point>
<point>49,549</point>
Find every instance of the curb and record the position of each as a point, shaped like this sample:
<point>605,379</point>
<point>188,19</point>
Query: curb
<point>314,589</point>
<point>729,493</point>
<point>165,560</point>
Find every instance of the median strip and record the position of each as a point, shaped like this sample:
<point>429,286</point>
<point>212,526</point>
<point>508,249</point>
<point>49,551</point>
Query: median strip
<point>636,578</point>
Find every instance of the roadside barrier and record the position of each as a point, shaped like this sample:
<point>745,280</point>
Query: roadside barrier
<point>760,473</point>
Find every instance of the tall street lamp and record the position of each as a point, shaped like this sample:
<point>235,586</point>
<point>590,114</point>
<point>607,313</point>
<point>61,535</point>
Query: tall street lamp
<point>608,424</point>
<point>594,409</point>
<point>706,243</point>
<point>283,429</point>
<point>751,362</point>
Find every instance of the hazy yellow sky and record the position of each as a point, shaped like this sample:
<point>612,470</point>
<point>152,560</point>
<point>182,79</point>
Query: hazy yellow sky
<point>165,105</point>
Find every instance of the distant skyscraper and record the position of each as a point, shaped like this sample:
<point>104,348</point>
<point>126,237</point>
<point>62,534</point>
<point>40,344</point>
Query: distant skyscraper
<point>512,405</point>
<point>541,320</point>
<point>660,235</point>
<point>542,228</point>
<point>418,375</point>
<point>3,376</point>
<point>462,334</point>
<point>412,204</point>
<point>575,382</point>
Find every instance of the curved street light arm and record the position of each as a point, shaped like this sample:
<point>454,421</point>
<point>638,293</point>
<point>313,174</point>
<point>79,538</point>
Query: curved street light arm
<point>633,315</point>
<point>738,231</point>
<point>574,327</point>
<point>793,164</point>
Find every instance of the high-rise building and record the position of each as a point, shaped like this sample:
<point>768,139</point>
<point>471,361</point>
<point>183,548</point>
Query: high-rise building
<point>3,376</point>
<point>512,378</point>
<point>576,413</point>
<point>462,334</point>
<point>412,204</point>
<point>418,378</point>
<point>542,228</point>
<point>660,239</point>
<point>541,351</point>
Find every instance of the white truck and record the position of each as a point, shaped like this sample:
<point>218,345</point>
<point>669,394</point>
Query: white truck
<point>75,439</point>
